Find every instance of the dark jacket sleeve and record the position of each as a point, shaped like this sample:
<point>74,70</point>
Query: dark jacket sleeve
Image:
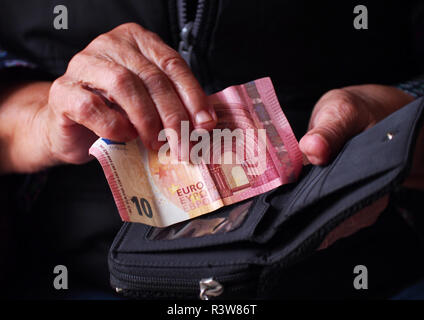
<point>415,86</point>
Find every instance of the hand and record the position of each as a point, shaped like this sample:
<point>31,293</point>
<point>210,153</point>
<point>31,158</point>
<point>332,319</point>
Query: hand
<point>126,83</point>
<point>342,113</point>
<point>339,115</point>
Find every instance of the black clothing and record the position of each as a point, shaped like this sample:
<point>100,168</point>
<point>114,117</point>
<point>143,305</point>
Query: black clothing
<point>307,47</point>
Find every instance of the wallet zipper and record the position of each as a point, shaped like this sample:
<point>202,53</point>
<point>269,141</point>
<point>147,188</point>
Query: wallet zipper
<point>136,285</point>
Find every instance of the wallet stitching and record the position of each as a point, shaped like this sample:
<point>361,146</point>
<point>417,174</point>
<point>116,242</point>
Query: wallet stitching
<point>330,169</point>
<point>303,188</point>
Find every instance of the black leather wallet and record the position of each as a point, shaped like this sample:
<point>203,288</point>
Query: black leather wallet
<point>239,250</point>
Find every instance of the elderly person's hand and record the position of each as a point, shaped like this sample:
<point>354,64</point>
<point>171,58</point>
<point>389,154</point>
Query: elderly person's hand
<point>342,113</point>
<point>133,68</point>
<point>147,83</point>
<point>339,115</point>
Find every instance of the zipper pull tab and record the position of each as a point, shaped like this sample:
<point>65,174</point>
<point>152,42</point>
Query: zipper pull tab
<point>185,48</point>
<point>210,288</point>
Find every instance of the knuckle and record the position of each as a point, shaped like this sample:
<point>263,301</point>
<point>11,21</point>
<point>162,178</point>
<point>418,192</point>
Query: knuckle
<point>105,44</point>
<point>346,110</point>
<point>121,79</point>
<point>100,43</point>
<point>340,97</point>
<point>76,62</point>
<point>340,103</point>
<point>103,39</point>
<point>57,85</point>
<point>172,64</point>
<point>86,109</point>
<point>131,30</point>
<point>131,26</point>
<point>173,119</point>
<point>56,92</point>
<point>331,130</point>
<point>157,83</point>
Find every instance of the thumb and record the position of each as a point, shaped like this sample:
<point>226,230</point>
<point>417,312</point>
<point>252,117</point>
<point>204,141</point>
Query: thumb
<point>336,118</point>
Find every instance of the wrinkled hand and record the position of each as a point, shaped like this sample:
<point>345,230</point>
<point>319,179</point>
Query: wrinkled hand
<point>339,115</point>
<point>342,113</point>
<point>148,84</point>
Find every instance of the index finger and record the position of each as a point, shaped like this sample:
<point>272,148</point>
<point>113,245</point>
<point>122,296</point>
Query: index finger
<point>188,88</point>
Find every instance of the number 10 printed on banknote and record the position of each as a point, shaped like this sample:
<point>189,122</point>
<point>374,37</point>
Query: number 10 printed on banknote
<point>252,150</point>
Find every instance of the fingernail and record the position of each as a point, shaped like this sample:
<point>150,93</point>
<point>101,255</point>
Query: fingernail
<point>213,113</point>
<point>318,149</point>
<point>203,117</point>
<point>314,160</point>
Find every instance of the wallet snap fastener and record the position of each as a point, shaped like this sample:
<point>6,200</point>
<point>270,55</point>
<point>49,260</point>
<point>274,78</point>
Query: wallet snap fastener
<point>390,136</point>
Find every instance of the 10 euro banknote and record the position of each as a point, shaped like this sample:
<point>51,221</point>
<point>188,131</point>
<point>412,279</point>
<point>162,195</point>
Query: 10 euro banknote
<point>252,150</point>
